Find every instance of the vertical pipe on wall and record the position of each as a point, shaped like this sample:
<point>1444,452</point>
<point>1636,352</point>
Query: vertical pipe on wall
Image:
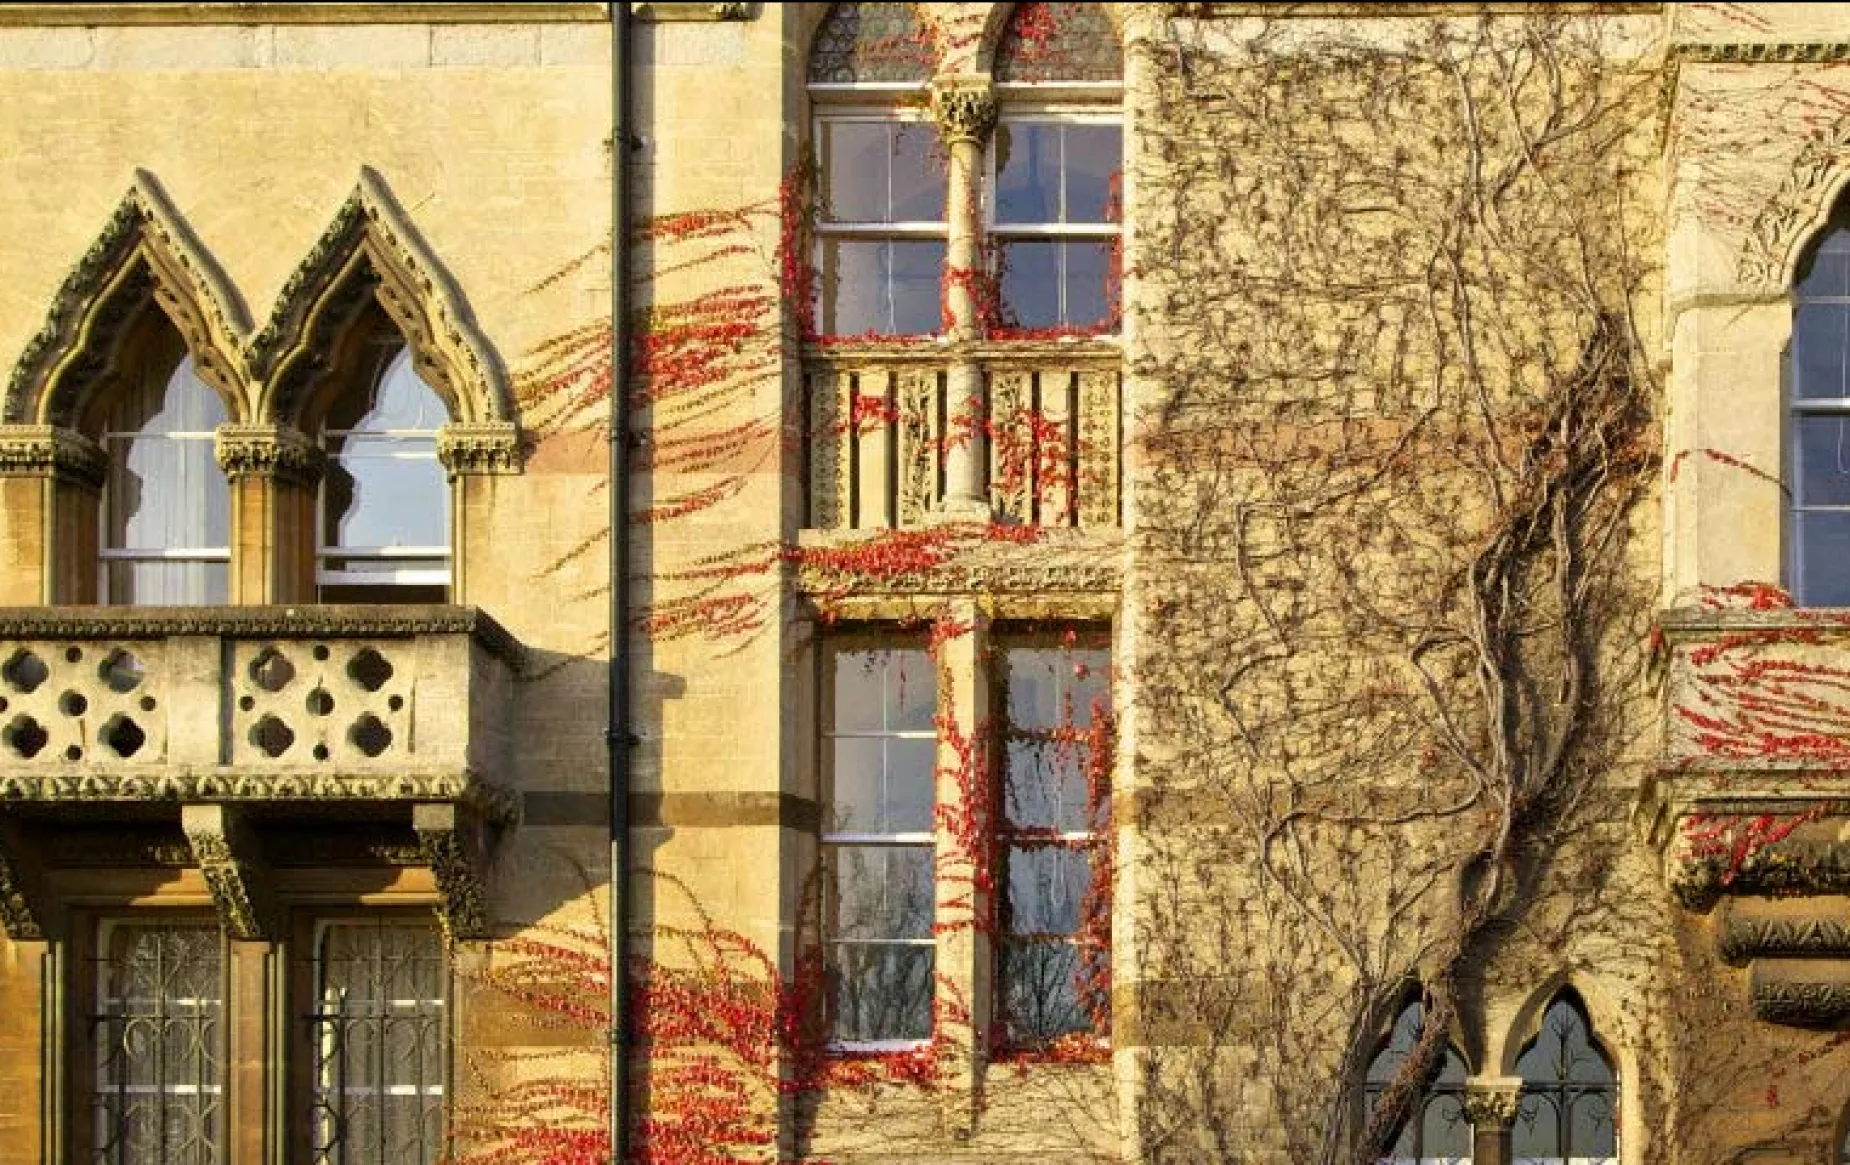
<point>617,732</point>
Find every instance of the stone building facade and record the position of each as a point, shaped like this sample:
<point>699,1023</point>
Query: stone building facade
<point>1172,561</point>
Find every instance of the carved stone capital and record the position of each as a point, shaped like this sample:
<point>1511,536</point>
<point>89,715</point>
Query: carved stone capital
<point>484,447</point>
<point>965,108</point>
<point>49,450</point>
<point>268,451</point>
<point>455,845</point>
<point>1491,1101</point>
<point>26,910</point>
<point>226,851</point>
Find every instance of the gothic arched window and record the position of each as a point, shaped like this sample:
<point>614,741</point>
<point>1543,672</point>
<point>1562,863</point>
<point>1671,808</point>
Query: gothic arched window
<point>1570,1093</point>
<point>1437,1131</point>
<point>166,520</point>
<point>1818,422</point>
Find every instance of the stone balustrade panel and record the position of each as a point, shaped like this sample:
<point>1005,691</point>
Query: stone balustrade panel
<point>65,703</point>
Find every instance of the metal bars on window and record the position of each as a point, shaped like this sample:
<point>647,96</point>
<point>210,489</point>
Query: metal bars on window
<point>1568,1113</point>
<point>377,1033</point>
<point>1437,1131</point>
<point>157,1031</point>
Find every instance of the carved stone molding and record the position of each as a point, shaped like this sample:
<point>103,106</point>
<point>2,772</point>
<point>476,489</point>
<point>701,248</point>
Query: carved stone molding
<point>47,451</point>
<point>1491,1102</point>
<point>455,844</point>
<point>180,785</point>
<point>1799,204</point>
<point>268,451</point>
<point>371,250</point>
<point>1790,867</point>
<point>275,622</point>
<point>1764,52</point>
<point>1092,577</point>
<point>24,905</point>
<point>965,108</point>
<point>1799,1003</point>
<point>689,13</point>
<point>1740,939</point>
<point>226,851</point>
<point>486,447</point>
<point>145,256</point>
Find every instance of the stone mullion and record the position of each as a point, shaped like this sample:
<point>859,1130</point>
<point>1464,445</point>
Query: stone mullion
<point>963,858</point>
<point>1491,1103</point>
<point>965,108</point>
<point>274,472</point>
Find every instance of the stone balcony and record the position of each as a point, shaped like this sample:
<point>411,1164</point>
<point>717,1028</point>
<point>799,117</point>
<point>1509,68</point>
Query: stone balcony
<point>1750,805</point>
<point>881,421</point>
<point>239,739</point>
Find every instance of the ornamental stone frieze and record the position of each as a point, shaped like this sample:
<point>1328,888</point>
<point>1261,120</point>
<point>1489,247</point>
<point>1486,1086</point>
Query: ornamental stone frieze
<point>195,734</point>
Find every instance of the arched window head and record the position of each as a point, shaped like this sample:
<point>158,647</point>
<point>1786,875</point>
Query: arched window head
<point>166,507</point>
<point>862,44</point>
<point>1437,1131</point>
<point>1818,422</point>
<point>384,529</point>
<point>1570,1093</point>
<point>1071,43</point>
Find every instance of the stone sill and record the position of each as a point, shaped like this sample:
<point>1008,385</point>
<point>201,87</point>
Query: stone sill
<point>1100,351</point>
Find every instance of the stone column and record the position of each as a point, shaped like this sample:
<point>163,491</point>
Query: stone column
<point>50,486</point>
<point>965,107</point>
<point>963,908</point>
<point>1490,1106</point>
<point>274,471</point>
<point>474,455</point>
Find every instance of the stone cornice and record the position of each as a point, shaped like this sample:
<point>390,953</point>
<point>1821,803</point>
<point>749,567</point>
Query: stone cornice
<point>304,622</point>
<point>269,451</point>
<point>45,450</point>
<point>35,15</point>
<point>1074,563</point>
<point>1762,52</point>
<point>276,789</point>
<point>689,13</point>
<point>1693,624</point>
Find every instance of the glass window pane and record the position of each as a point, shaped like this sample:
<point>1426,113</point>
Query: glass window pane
<point>1046,888</point>
<point>882,992</point>
<point>1030,283</point>
<point>1027,172</point>
<point>166,493</point>
<point>381,501</point>
<point>1821,559</point>
<point>1044,786</point>
<point>168,583</point>
<point>884,690</point>
<point>1086,283</point>
<point>1828,270</point>
<point>882,892</point>
<point>1445,1134</point>
<point>397,399</point>
<point>857,783</point>
<point>1056,687</point>
<point>1821,460</point>
<point>911,769</point>
<point>919,173</point>
<point>856,170</point>
<point>1821,351</point>
<point>881,286</point>
<point>1041,991</point>
<point>1093,155</point>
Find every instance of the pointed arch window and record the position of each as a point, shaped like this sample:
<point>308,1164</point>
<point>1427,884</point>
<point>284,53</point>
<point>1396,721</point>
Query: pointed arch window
<point>1818,422</point>
<point>166,509</point>
<point>1570,1093</point>
<point>1437,1131</point>
<point>384,530</point>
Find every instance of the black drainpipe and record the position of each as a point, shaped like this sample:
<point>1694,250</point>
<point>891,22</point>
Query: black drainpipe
<point>617,738</point>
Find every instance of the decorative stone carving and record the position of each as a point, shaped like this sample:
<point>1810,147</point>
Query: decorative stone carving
<point>492,801</point>
<point>226,851</point>
<point>1798,1003</point>
<point>965,108</point>
<point>371,250</point>
<point>1780,227</point>
<point>1741,939</point>
<point>455,846</point>
<point>1790,867</point>
<point>1764,52</point>
<point>144,256</point>
<point>486,447</point>
<point>1491,1102</point>
<point>690,13</point>
<point>48,450</point>
<point>976,578</point>
<point>24,905</point>
<point>270,451</point>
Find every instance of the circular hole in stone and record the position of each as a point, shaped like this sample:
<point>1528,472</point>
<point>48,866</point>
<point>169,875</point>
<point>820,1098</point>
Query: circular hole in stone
<point>147,703</point>
<point>321,752</point>
<point>271,670</point>
<point>73,704</point>
<point>247,702</point>
<point>74,752</point>
<point>320,702</point>
<point>25,671</point>
<point>370,735</point>
<point>123,736</point>
<point>395,703</point>
<point>122,671</point>
<point>369,669</point>
<point>272,736</point>
<point>25,736</point>
<point>3,703</point>
<point>321,651</point>
<point>73,654</point>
